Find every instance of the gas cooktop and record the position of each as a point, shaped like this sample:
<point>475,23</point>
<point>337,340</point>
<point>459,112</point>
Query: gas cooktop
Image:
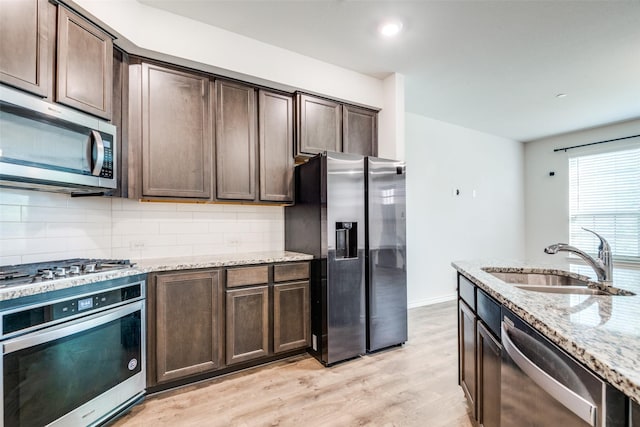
<point>22,274</point>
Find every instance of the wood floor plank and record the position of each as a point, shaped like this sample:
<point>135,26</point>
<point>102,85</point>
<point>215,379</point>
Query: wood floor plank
<point>412,385</point>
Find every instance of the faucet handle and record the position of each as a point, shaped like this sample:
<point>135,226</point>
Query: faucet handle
<point>604,245</point>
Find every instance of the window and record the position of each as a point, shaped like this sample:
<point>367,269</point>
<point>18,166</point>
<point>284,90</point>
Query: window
<point>604,196</point>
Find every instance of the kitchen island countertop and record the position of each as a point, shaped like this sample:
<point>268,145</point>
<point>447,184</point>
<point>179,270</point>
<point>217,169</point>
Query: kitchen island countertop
<point>600,331</point>
<point>154,265</point>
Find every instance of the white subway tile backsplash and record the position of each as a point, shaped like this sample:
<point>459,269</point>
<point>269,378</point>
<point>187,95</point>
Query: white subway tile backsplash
<point>10,213</point>
<point>31,198</point>
<point>46,214</point>
<point>13,230</point>
<point>38,226</point>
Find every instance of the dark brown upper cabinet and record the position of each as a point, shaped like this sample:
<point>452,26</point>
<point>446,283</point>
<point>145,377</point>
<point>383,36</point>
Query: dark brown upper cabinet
<point>235,141</point>
<point>176,132</point>
<point>24,50</point>
<point>84,65</point>
<point>359,131</point>
<point>319,125</point>
<point>276,146</point>
<point>50,51</point>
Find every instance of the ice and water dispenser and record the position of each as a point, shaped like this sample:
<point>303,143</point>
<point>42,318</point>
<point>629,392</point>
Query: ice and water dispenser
<point>346,240</point>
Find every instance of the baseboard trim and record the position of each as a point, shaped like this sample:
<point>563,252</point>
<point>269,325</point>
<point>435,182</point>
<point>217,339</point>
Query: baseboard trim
<point>430,301</point>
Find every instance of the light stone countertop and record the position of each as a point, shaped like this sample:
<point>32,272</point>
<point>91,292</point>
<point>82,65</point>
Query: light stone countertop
<point>601,331</point>
<point>154,265</point>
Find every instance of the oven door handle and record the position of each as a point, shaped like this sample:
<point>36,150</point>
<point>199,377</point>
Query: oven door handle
<point>567,397</point>
<point>66,329</point>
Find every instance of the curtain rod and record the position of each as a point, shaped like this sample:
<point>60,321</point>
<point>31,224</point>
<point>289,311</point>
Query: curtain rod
<point>594,143</point>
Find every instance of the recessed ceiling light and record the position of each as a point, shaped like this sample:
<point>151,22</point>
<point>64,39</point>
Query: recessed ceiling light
<point>561,95</point>
<point>390,28</point>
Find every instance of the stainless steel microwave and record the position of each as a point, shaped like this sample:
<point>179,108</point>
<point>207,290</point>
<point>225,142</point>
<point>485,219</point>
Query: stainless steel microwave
<point>50,147</point>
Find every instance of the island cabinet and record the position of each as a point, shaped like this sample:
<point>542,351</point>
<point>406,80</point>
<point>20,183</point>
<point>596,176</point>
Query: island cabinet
<point>170,122</point>
<point>54,53</point>
<point>480,351</point>
<point>327,125</point>
<point>185,325</point>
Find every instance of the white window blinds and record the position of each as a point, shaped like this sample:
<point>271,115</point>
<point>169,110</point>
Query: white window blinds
<point>604,196</point>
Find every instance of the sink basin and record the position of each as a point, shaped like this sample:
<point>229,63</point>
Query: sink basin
<point>553,283</point>
<point>568,289</point>
<point>537,279</point>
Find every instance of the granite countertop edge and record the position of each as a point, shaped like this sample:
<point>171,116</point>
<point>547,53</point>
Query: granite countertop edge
<point>624,378</point>
<point>154,265</point>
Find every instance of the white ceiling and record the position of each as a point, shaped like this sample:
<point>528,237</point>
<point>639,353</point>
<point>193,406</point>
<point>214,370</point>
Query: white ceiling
<point>493,66</point>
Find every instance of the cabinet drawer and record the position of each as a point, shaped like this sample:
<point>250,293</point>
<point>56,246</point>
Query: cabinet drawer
<point>467,291</point>
<point>488,311</point>
<point>247,276</point>
<point>295,271</point>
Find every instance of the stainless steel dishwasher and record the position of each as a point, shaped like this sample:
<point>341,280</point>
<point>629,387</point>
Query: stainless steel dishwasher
<point>543,386</point>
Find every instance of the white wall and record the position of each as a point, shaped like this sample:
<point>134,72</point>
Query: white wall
<point>36,226</point>
<point>441,227</point>
<point>547,197</point>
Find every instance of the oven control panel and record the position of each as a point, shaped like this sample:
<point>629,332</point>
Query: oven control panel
<point>35,316</point>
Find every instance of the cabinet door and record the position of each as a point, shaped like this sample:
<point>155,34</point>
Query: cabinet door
<point>84,65</point>
<point>276,147</point>
<point>176,136</point>
<point>359,131</point>
<point>319,123</point>
<point>489,358</point>
<point>467,352</point>
<point>247,324</point>
<point>291,327</point>
<point>24,32</point>
<point>188,317</point>
<point>235,141</point>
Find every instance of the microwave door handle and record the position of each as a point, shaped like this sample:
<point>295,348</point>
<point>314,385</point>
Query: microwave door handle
<point>567,397</point>
<point>96,141</point>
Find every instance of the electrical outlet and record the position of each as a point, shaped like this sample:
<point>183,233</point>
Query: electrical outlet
<point>136,244</point>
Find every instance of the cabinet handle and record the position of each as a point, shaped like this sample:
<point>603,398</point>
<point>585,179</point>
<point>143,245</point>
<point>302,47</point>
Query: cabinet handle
<point>98,161</point>
<point>567,397</point>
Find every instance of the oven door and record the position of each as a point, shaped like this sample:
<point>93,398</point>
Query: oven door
<point>76,373</point>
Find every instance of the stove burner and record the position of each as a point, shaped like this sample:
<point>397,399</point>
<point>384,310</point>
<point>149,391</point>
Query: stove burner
<point>21,274</point>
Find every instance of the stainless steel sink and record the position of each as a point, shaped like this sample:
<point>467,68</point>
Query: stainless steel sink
<point>537,279</point>
<point>568,289</point>
<point>553,283</point>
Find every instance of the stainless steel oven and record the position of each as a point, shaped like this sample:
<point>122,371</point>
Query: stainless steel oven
<point>73,357</point>
<point>544,386</point>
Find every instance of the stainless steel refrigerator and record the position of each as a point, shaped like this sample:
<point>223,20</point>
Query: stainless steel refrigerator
<point>386,254</point>
<point>328,221</point>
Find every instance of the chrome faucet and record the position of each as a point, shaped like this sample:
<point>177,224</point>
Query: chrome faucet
<point>603,265</point>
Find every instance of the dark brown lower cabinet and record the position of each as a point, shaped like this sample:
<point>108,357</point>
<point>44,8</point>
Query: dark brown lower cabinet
<point>467,353</point>
<point>185,319</point>
<point>291,326</point>
<point>247,324</point>
<point>489,357</point>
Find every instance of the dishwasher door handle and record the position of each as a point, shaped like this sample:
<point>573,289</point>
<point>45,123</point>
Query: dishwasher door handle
<point>580,406</point>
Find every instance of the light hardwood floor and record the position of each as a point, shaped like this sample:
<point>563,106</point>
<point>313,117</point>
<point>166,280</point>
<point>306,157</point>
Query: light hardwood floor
<point>412,385</point>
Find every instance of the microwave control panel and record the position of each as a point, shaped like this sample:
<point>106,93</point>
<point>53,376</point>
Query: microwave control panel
<point>107,166</point>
